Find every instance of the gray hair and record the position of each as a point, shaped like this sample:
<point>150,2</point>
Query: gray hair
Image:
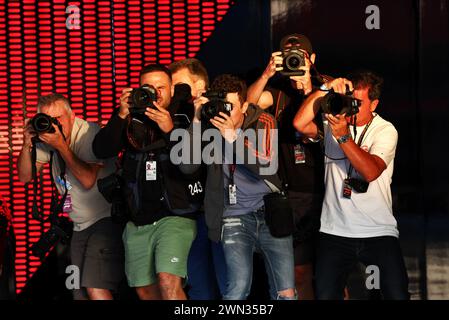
<point>52,98</point>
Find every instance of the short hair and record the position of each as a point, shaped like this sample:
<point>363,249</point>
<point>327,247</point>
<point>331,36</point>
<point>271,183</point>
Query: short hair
<point>230,84</point>
<point>362,79</point>
<point>52,98</point>
<point>194,66</point>
<point>155,67</point>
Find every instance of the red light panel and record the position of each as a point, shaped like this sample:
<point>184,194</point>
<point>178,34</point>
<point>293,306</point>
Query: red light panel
<point>90,65</point>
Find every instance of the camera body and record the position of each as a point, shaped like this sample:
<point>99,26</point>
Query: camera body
<point>358,185</point>
<point>217,103</point>
<point>292,60</point>
<point>43,123</point>
<point>60,230</point>
<point>111,189</point>
<point>142,98</point>
<point>336,103</point>
<point>292,57</point>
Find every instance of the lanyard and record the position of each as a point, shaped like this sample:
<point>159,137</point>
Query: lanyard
<point>232,168</point>
<point>359,143</point>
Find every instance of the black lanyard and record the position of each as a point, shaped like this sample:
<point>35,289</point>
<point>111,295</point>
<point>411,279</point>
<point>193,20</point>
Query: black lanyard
<point>232,168</point>
<point>359,143</point>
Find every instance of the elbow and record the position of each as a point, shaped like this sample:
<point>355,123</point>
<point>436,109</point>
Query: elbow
<point>89,184</point>
<point>370,177</point>
<point>24,179</point>
<point>297,123</point>
<point>90,180</point>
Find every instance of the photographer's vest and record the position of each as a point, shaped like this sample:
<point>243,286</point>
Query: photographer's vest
<point>155,188</point>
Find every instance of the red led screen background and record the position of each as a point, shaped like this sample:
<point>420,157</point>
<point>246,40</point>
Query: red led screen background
<point>90,65</point>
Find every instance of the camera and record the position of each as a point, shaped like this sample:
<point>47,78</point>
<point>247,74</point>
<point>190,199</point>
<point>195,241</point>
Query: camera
<point>60,230</point>
<point>358,185</point>
<point>336,103</point>
<point>217,103</point>
<point>43,123</point>
<point>142,98</point>
<point>111,189</point>
<point>292,57</point>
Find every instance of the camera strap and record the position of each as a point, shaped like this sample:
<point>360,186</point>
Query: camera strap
<point>55,207</point>
<point>359,142</point>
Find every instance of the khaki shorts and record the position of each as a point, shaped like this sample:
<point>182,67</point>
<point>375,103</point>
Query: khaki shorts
<point>162,246</point>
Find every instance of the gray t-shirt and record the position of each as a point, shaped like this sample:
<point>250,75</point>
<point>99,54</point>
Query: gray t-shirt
<point>250,191</point>
<point>88,206</point>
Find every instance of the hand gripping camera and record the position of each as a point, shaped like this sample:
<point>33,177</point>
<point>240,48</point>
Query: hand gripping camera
<point>217,103</point>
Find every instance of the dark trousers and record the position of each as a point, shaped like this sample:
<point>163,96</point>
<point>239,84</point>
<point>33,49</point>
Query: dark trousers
<point>337,256</point>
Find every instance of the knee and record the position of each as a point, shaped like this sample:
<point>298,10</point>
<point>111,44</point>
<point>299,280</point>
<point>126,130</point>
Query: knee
<point>99,294</point>
<point>303,274</point>
<point>288,294</point>
<point>168,281</point>
<point>237,289</point>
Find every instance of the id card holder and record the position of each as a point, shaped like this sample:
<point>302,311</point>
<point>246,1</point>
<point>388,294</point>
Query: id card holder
<point>347,189</point>
<point>150,171</point>
<point>67,207</point>
<point>300,156</point>
<point>232,194</point>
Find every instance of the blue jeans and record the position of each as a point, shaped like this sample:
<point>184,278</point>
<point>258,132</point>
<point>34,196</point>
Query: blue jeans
<point>206,266</point>
<point>337,256</point>
<point>241,236</point>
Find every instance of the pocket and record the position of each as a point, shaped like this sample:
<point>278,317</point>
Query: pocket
<point>111,266</point>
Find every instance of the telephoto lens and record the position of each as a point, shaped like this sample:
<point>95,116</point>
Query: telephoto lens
<point>335,103</point>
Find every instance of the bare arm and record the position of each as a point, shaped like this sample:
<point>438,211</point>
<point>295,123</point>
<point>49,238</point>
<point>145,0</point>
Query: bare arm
<point>369,166</point>
<point>303,121</point>
<point>256,89</point>
<point>85,173</point>
<point>24,162</point>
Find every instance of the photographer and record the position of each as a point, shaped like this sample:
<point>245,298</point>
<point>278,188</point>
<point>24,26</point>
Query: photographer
<point>235,189</point>
<point>301,161</point>
<point>206,266</point>
<point>96,247</point>
<point>357,222</point>
<point>159,206</point>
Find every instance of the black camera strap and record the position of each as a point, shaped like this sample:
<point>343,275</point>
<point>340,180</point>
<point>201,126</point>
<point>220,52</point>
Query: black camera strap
<point>359,143</point>
<point>55,207</point>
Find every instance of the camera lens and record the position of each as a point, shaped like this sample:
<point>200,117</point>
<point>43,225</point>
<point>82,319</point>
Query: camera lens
<point>210,110</point>
<point>335,104</point>
<point>293,61</point>
<point>142,97</point>
<point>42,123</point>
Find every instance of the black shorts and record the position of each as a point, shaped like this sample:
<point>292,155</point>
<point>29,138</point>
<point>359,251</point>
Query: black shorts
<point>98,253</point>
<point>307,212</point>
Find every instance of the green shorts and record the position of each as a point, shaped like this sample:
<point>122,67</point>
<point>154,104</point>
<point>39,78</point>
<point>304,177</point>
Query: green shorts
<point>162,246</point>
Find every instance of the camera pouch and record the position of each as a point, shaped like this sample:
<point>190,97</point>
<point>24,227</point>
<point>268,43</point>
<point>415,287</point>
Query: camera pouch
<point>278,214</point>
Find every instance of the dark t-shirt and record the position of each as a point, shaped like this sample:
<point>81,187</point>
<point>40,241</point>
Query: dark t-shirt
<point>301,177</point>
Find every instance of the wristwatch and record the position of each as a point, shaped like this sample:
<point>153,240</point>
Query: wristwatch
<point>344,138</point>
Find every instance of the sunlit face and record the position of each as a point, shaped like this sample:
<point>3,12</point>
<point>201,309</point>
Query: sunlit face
<point>367,106</point>
<point>183,75</point>
<point>58,110</point>
<point>238,111</point>
<point>162,82</point>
